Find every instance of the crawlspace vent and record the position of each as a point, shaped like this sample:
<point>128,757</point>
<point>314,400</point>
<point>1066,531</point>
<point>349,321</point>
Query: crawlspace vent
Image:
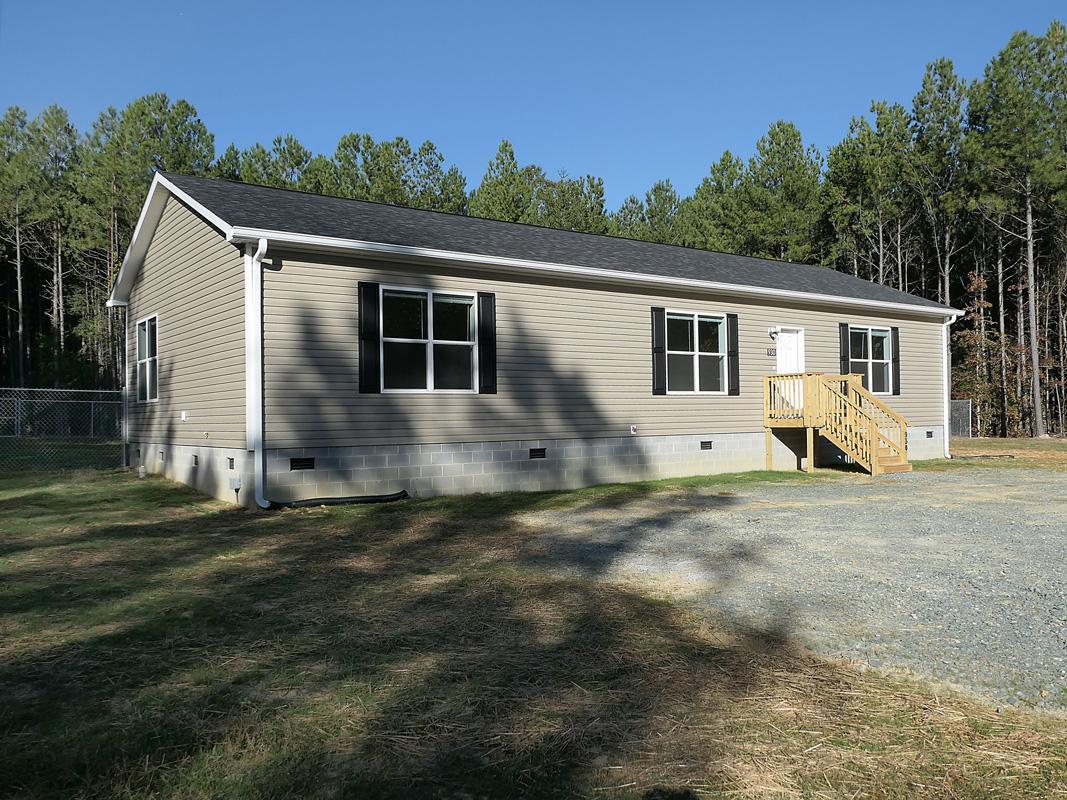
<point>301,463</point>
<point>537,452</point>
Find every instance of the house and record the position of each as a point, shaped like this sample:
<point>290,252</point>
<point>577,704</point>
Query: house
<point>285,347</point>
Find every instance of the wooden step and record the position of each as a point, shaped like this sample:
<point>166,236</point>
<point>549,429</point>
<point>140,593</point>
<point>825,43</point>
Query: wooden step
<point>888,468</point>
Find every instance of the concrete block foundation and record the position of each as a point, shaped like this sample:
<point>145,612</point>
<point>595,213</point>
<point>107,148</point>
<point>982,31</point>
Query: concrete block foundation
<point>426,470</point>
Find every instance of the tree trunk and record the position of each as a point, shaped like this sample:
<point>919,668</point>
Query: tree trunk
<point>1061,329</point>
<point>62,299</point>
<point>1020,351</point>
<point>982,367</point>
<point>21,312</point>
<point>946,271</point>
<point>881,251</point>
<point>1031,299</point>
<point>1001,334</point>
<point>900,257</point>
<point>55,303</point>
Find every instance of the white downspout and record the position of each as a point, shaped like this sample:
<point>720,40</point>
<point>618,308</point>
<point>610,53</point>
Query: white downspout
<point>946,375</point>
<point>254,367</point>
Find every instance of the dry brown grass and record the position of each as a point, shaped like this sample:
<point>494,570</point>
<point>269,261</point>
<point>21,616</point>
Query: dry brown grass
<point>1048,453</point>
<point>168,647</point>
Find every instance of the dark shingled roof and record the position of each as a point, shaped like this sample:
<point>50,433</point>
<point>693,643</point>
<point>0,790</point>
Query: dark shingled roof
<point>248,206</point>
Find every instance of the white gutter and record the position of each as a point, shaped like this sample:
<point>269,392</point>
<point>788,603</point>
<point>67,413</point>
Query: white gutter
<point>946,374</point>
<point>254,366</point>
<point>407,252</point>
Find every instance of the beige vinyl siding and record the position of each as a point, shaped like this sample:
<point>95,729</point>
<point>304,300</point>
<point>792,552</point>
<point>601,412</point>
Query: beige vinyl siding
<point>573,361</point>
<point>194,281</point>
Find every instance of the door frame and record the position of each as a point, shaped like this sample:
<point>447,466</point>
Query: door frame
<point>778,330</point>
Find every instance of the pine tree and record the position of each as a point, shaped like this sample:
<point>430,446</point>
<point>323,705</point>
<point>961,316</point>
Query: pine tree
<point>507,191</point>
<point>714,218</point>
<point>936,168</point>
<point>782,196</point>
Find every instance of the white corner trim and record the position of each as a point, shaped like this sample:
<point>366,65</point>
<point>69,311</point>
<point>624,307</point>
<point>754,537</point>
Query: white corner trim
<point>397,251</point>
<point>947,378</point>
<point>151,211</point>
<point>254,366</point>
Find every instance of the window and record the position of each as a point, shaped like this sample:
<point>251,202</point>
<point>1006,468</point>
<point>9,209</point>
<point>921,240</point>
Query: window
<point>147,368</point>
<point>428,341</point>
<point>696,353</point>
<point>870,354</point>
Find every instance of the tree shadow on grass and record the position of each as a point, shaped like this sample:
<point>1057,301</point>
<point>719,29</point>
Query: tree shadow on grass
<point>408,650</point>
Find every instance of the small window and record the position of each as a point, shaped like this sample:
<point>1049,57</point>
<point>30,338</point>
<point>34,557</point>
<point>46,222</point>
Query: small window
<point>428,341</point>
<point>696,353</point>
<point>147,366</point>
<point>870,355</point>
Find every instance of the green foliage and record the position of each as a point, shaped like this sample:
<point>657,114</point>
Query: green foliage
<point>715,217</point>
<point>655,219</point>
<point>507,192</point>
<point>573,204</point>
<point>782,196</point>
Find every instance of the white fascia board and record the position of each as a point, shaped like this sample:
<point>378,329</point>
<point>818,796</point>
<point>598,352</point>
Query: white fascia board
<point>151,212</point>
<point>397,251</point>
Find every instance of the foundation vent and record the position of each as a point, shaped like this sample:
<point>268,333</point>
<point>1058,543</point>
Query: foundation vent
<point>706,444</point>
<point>301,463</point>
<point>196,461</point>
<point>537,452</point>
<point>929,434</point>
<point>230,462</point>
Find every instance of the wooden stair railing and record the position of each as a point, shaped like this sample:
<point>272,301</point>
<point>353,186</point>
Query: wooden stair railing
<point>842,410</point>
<point>892,426</point>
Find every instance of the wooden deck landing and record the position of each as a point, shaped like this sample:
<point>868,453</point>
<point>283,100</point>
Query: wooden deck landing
<point>838,407</point>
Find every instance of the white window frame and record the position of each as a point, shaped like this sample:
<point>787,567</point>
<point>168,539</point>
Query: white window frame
<point>695,353</point>
<point>138,360</point>
<point>871,360</point>
<point>429,342</point>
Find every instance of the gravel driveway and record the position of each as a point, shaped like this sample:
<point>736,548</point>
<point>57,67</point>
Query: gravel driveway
<point>960,576</point>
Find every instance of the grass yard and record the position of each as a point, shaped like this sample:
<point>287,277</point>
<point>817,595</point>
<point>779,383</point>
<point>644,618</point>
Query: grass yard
<point>1004,454</point>
<point>154,643</point>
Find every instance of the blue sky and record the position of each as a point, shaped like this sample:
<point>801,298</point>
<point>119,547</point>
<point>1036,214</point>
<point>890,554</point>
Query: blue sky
<point>633,92</point>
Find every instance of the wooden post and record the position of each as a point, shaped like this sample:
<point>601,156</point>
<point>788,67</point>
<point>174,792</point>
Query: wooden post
<point>811,448</point>
<point>872,437</point>
<point>770,452</point>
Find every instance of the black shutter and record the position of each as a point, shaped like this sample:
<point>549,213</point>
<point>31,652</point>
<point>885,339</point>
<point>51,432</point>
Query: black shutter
<point>659,350</point>
<point>733,359</point>
<point>896,360</point>
<point>842,328</point>
<point>370,368</point>
<point>486,343</point>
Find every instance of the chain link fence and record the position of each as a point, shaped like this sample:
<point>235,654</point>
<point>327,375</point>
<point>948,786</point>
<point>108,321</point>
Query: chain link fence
<point>56,429</point>
<point>960,418</point>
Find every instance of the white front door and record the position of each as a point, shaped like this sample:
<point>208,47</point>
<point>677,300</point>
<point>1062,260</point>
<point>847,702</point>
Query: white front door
<point>790,350</point>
